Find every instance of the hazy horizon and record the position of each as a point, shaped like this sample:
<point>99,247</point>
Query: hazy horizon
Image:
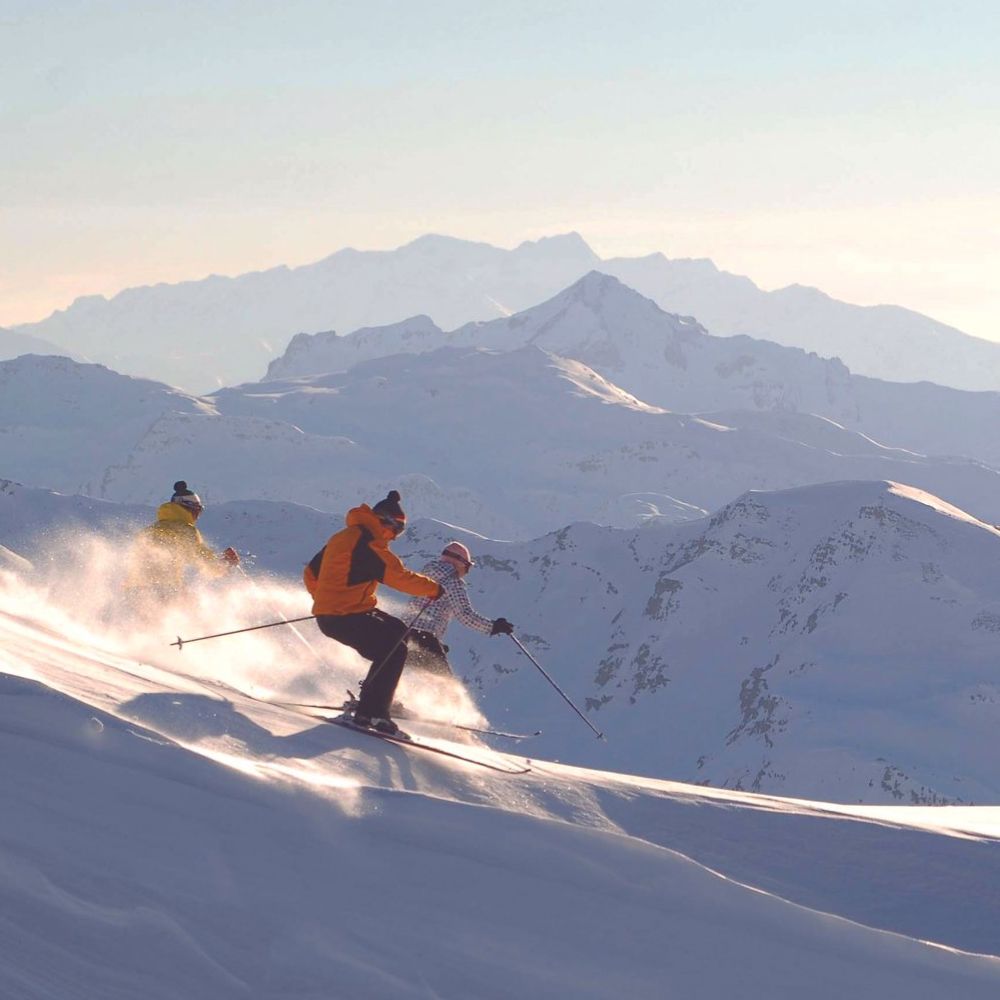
<point>854,150</point>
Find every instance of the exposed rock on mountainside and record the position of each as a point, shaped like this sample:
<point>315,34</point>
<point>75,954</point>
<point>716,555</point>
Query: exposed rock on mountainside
<point>833,642</point>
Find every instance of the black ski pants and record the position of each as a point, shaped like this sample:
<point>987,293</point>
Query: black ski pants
<point>373,634</point>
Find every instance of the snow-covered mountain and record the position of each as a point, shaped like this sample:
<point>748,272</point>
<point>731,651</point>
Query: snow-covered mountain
<point>533,430</point>
<point>32,520</point>
<point>62,424</point>
<point>315,354</point>
<point>833,642</point>
<point>165,837</point>
<point>511,443</point>
<point>884,342</point>
<point>218,331</point>
<point>836,641</point>
<point>672,362</point>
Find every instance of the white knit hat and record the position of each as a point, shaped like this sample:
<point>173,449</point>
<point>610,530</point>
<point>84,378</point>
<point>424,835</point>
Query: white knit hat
<point>458,551</point>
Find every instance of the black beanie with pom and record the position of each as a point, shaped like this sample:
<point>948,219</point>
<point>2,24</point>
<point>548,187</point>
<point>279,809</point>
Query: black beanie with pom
<point>187,498</point>
<point>390,506</point>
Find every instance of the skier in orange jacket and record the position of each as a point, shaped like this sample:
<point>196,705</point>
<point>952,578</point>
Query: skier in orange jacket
<point>343,578</point>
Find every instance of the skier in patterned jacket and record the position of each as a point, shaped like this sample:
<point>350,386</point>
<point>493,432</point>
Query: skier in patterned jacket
<point>426,648</point>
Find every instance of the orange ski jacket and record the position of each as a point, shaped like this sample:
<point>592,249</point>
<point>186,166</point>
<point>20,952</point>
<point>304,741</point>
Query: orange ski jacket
<point>344,575</point>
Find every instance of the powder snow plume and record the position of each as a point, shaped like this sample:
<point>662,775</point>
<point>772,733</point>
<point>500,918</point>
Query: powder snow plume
<point>78,591</point>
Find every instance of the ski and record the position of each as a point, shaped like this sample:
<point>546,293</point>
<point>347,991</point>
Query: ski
<point>405,740</point>
<point>351,704</point>
<point>348,706</point>
<point>479,732</point>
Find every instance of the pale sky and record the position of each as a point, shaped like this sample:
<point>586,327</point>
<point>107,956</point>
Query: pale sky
<point>850,146</point>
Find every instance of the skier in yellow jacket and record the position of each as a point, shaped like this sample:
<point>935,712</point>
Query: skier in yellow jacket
<point>168,551</point>
<point>343,578</point>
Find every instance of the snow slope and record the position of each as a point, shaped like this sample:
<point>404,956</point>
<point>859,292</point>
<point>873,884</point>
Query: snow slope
<point>166,837</point>
<point>513,443</point>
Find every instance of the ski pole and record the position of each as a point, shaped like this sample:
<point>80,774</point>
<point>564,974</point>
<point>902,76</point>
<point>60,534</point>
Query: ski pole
<point>401,639</point>
<point>180,643</point>
<point>520,646</point>
<point>298,635</point>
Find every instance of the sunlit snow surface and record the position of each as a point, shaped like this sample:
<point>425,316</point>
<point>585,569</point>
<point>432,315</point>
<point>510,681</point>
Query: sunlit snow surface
<point>165,836</point>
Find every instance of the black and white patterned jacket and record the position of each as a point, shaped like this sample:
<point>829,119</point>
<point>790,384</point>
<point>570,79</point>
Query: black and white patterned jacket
<point>453,603</point>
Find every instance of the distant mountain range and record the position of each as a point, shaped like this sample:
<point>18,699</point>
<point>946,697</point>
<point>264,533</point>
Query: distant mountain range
<point>883,341</point>
<point>219,331</point>
<point>13,345</point>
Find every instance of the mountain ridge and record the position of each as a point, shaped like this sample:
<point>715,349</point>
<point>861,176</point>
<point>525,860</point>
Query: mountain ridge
<point>232,326</point>
<point>583,448</point>
<point>673,362</point>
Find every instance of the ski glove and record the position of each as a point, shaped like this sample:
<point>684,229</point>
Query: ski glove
<point>502,627</point>
<point>231,556</point>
